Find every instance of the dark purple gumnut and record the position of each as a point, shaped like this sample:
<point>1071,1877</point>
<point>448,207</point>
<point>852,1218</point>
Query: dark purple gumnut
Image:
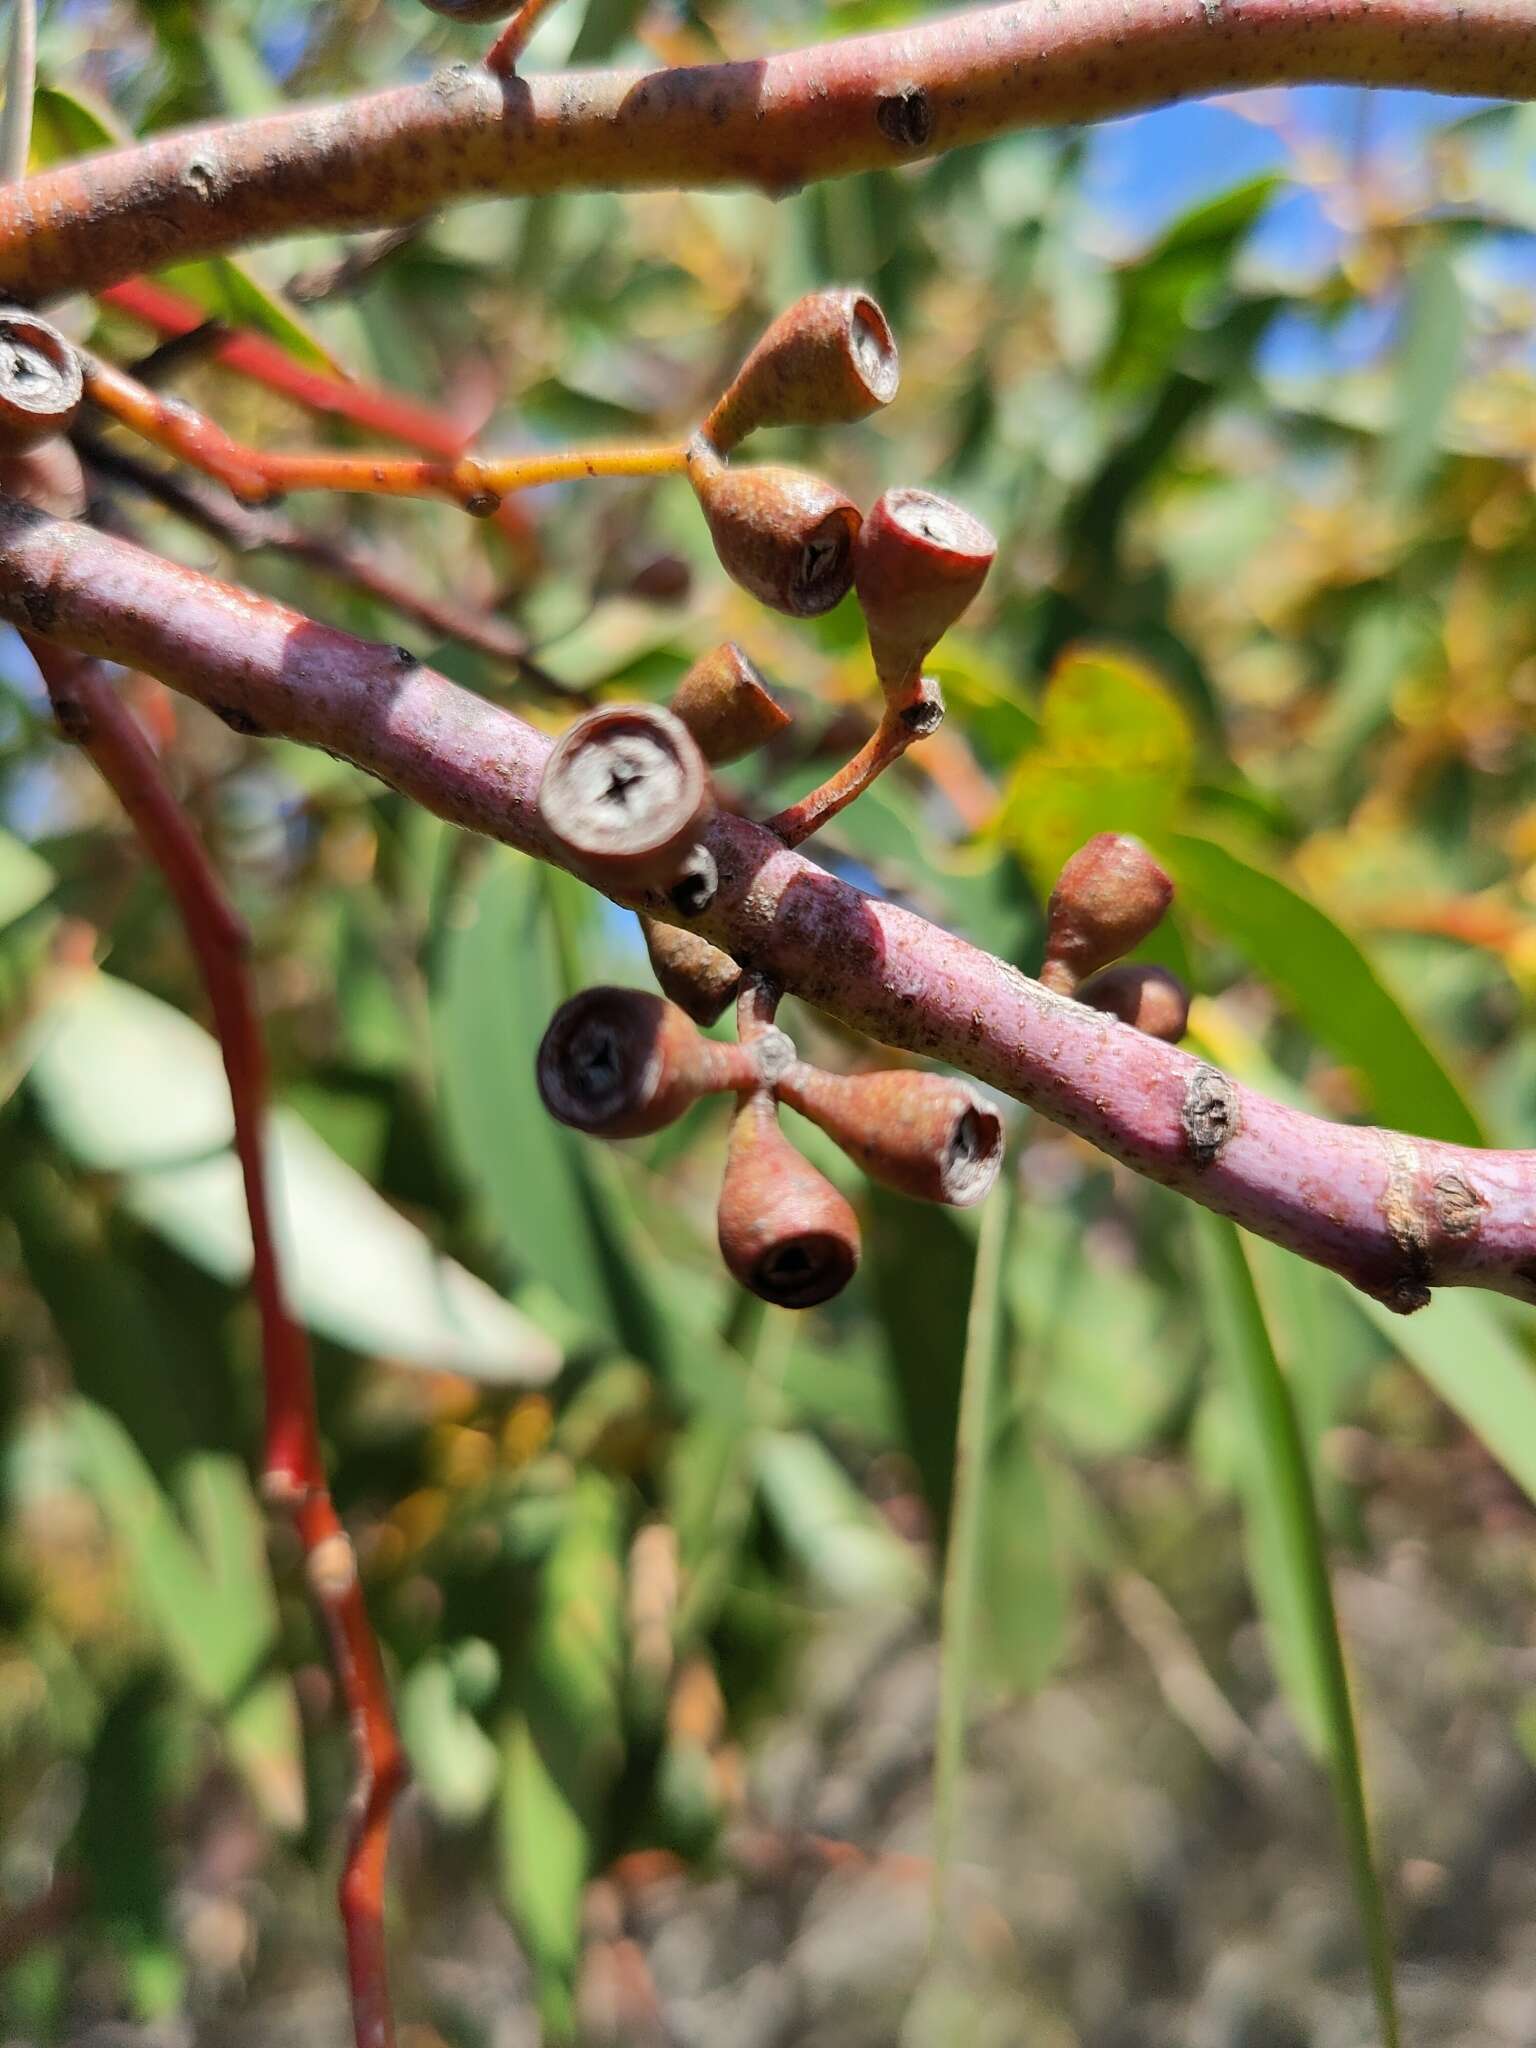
<point>1107,898</point>
<point>785,1232</point>
<point>623,795</point>
<point>922,1134</point>
<point>41,387</point>
<point>1150,998</point>
<point>782,534</point>
<point>619,1063</point>
<point>726,705</point>
<point>918,562</point>
<point>827,360</point>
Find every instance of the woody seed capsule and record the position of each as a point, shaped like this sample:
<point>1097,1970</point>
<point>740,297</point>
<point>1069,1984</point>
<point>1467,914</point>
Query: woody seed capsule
<point>785,1231</point>
<point>1148,997</point>
<point>922,1134</point>
<point>1107,898</point>
<point>695,975</point>
<point>41,386</point>
<point>782,534</point>
<point>726,705</point>
<point>618,1063</point>
<point>827,360</point>
<point>918,562</point>
<point>624,793</point>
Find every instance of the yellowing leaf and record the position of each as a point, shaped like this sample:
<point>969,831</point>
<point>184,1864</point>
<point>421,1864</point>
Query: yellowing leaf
<point>1115,754</point>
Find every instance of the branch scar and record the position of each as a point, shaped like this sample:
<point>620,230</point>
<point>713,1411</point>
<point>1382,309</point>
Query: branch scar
<point>1210,1115</point>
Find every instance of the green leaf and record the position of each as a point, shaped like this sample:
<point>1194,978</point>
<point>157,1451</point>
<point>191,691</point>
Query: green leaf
<point>25,879</point>
<point>130,1086</point>
<point>1428,366</point>
<point>121,1843</point>
<point>20,86</point>
<point>562,1748</point>
<point>984,1339</point>
<point>1171,286</point>
<point>1289,1567</point>
<point>844,1547</point>
<point>453,1760</point>
<point>553,1197</point>
<point>1477,1367</point>
<point>1334,988</point>
<point>1115,754</point>
<point>921,1262</point>
<point>218,1624</point>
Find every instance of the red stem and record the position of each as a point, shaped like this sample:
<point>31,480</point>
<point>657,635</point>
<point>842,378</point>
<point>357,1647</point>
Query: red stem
<point>293,1468</point>
<point>365,405</point>
<point>1394,1214</point>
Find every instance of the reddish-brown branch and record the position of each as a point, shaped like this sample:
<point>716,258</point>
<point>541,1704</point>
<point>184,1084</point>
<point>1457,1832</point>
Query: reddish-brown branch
<point>775,122</point>
<point>1394,1214</point>
<point>293,1468</point>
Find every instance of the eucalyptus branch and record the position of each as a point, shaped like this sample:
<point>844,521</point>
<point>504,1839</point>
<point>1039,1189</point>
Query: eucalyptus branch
<point>293,1468</point>
<point>863,103</point>
<point>1392,1213</point>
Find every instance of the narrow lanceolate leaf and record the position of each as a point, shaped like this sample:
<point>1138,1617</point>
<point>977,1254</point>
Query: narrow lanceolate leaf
<point>130,1086</point>
<point>562,1745</point>
<point>983,1350</point>
<point>20,85</point>
<point>1290,1569</point>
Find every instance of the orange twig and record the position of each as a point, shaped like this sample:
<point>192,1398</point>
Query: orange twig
<point>261,361</point>
<point>293,1469</point>
<point>477,483</point>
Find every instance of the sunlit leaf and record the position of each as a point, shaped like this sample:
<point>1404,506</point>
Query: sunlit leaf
<point>131,1086</point>
<point>1289,1568</point>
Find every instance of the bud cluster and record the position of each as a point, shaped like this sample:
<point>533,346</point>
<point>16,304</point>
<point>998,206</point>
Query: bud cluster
<point>1109,897</point>
<point>618,1063</point>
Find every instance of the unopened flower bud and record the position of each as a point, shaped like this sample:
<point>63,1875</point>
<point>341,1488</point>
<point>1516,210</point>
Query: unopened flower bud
<point>783,535</point>
<point>697,976</point>
<point>1148,997</point>
<point>726,705</point>
<point>624,793</point>
<point>618,1063</point>
<point>41,386</point>
<point>918,562</point>
<point>785,1231</point>
<point>1107,898</point>
<point>922,1134</point>
<point>828,359</point>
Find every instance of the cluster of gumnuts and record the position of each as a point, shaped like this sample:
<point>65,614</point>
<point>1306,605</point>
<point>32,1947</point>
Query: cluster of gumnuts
<point>628,789</point>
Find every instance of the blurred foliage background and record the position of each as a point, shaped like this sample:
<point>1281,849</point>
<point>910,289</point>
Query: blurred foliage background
<point>1248,393</point>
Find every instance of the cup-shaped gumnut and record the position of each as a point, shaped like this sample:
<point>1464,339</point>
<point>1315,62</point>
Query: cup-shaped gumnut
<point>785,1231</point>
<point>922,1134</point>
<point>40,382</point>
<point>828,359</point>
<point>619,1063</point>
<point>48,476</point>
<point>695,975</point>
<point>726,705</point>
<point>624,794</point>
<point>1151,998</point>
<point>918,562</point>
<point>783,535</point>
<point>1107,898</point>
